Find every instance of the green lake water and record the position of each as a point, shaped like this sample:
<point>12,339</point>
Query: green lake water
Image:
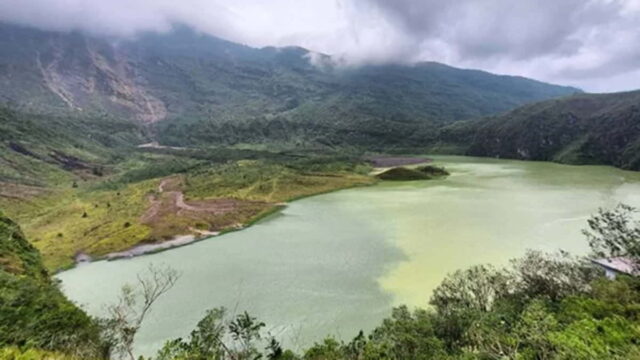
<point>336,263</point>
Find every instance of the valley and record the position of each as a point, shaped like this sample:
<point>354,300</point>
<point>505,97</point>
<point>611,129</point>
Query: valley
<point>167,193</point>
<point>364,211</point>
<point>377,246</point>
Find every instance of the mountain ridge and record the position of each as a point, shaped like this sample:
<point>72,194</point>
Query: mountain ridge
<point>184,78</point>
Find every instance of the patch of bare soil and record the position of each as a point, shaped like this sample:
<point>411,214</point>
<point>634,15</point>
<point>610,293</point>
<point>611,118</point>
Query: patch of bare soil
<point>391,161</point>
<point>170,214</point>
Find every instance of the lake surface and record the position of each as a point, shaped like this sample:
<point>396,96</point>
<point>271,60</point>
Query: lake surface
<point>336,263</point>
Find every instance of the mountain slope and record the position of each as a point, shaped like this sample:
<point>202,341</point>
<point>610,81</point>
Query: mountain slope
<point>41,150</point>
<point>33,311</point>
<point>199,89</point>
<point>582,129</point>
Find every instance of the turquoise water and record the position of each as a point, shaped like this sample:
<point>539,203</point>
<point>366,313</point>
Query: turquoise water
<point>337,263</point>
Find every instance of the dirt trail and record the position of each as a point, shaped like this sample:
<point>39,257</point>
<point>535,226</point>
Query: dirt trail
<point>171,200</point>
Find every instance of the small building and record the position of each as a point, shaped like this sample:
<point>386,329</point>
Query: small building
<point>618,265</point>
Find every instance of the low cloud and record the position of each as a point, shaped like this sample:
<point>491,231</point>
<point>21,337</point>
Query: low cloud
<point>587,43</point>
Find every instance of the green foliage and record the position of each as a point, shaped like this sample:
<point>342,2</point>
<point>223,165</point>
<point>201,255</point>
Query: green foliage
<point>33,311</point>
<point>13,353</point>
<point>218,337</point>
<point>580,129</point>
<point>41,150</point>
<point>209,91</point>
<point>542,307</point>
<point>551,276</point>
<point>17,255</point>
<point>406,335</point>
<point>272,181</point>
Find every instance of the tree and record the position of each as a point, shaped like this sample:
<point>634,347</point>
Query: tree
<point>552,276</point>
<point>405,335</point>
<point>463,297</point>
<point>615,233</point>
<point>134,304</point>
<point>220,338</point>
<point>476,289</point>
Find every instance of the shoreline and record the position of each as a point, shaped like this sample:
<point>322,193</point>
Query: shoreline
<point>188,239</point>
<point>173,243</point>
<point>184,240</point>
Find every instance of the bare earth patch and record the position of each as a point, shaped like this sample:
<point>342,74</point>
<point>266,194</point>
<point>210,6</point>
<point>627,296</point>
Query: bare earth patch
<point>391,161</point>
<point>170,214</point>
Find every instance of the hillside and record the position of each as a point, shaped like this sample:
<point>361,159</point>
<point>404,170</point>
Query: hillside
<point>33,311</point>
<point>197,89</point>
<point>582,129</point>
<point>42,150</point>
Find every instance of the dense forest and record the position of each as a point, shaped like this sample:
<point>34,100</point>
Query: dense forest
<point>582,129</point>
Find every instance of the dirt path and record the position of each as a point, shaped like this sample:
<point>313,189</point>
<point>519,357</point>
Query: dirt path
<point>171,199</point>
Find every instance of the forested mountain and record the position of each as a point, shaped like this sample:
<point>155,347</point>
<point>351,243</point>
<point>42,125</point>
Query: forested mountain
<point>582,129</point>
<point>192,88</point>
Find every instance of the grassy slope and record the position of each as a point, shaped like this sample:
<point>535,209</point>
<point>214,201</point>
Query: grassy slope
<point>114,205</point>
<point>54,150</point>
<point>33,311</point>
<point>255,180</point>
<point>58,228</point>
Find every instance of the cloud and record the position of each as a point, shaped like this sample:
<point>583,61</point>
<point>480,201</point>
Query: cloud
<point>586,43</point>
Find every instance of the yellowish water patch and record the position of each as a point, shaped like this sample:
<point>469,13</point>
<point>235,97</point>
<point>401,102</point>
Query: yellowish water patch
<point>489,211</point>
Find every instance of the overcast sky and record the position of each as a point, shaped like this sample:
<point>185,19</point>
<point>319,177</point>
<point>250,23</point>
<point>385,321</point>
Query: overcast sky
<point>592,44</point>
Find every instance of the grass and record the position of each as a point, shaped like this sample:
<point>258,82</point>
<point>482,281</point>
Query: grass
<point>58,227</point>
<point>262,181</point>
<point>14,353</point>
<point>104,215</point>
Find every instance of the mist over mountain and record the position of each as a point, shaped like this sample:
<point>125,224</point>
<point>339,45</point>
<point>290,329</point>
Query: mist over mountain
<point>133,127</point>
<point>194,88</point>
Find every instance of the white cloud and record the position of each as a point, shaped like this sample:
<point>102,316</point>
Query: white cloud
<point>587,43</point>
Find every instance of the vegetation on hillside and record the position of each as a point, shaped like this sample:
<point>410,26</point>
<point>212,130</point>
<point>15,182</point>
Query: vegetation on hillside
<point>155,194</point>
<point>197,89</point>
<point>582,129</point>
<point>71,174</point>
<point>33,311</point>
<point>44,150</point>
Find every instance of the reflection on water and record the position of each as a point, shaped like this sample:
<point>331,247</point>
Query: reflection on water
<point>336,263</point>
